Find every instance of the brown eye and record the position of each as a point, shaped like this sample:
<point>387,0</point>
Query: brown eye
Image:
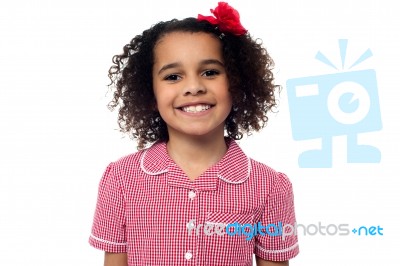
<point>172,77</point>
<point>210,73</point>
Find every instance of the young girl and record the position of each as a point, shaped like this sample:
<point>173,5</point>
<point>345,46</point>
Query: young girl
<point>193,197</point>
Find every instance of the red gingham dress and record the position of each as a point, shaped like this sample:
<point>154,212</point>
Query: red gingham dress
<point>146,202</point>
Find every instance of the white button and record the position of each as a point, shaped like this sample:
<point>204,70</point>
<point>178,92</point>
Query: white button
<point>190,225</point>
<point>188,255</point>
<point>192,194</point>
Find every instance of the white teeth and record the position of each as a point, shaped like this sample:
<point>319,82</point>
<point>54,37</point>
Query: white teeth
<point>196,108</point>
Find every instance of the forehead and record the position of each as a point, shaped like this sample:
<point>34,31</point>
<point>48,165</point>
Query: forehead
<point>177,46</point>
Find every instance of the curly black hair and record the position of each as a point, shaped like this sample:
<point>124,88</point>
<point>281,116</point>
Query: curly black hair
<point>248,66</point>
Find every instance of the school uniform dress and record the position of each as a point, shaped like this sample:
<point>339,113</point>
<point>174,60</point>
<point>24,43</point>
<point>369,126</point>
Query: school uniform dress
<point>150,209</point>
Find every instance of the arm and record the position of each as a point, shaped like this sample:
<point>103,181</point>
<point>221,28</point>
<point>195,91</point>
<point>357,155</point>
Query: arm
<point>108,230</point>
<point>274,249</point>
<point>261,262</point>
<point>115,259</point>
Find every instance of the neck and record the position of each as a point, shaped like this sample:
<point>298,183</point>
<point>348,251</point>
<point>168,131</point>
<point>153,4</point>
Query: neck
<point>196,154</point>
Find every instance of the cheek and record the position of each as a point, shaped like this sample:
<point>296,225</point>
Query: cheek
<point>163,99</point>
<point>157,92</point>
<point>154,103</point>
<point>228,97</point>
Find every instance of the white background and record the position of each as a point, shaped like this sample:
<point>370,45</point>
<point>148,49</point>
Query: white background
<point>57,136</point>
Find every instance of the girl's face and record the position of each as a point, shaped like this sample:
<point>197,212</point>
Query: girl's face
<point>191,85</point>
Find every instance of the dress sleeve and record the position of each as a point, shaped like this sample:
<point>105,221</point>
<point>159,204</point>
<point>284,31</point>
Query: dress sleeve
<point>278,244</point>
<point>108,230</point>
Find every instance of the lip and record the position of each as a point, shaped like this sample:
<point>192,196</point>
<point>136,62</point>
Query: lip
<point>180,107</point>
<point>195,114</point>
<point>194,103</point>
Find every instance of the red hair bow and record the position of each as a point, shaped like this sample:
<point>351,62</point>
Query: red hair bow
<point>226,18</point>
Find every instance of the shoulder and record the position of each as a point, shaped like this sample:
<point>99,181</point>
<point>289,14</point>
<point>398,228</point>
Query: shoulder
<point>133,162</point>
<point>127,163</point>
<point>126,172</point>
<point>269,178</point>
<point>141,160</point>
<point>262,169</point>
<point>237,164</point>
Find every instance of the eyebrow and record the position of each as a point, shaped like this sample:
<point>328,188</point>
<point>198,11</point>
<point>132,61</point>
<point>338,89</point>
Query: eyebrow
<point>202,63</point>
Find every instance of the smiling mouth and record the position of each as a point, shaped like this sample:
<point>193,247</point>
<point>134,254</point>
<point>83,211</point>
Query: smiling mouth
<point>195,108</point>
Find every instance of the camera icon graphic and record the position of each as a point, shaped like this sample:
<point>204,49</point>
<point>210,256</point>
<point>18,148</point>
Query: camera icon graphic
<point>325,106</point>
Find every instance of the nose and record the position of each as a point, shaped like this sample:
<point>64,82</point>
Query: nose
<point>194,86</point>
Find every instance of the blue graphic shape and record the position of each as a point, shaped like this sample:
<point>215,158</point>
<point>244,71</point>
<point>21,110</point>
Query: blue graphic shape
<point>343,50</point>
<point>367,54</point>
<point>347,102</point>
<point>321,57</point>
<point>325,106</point>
